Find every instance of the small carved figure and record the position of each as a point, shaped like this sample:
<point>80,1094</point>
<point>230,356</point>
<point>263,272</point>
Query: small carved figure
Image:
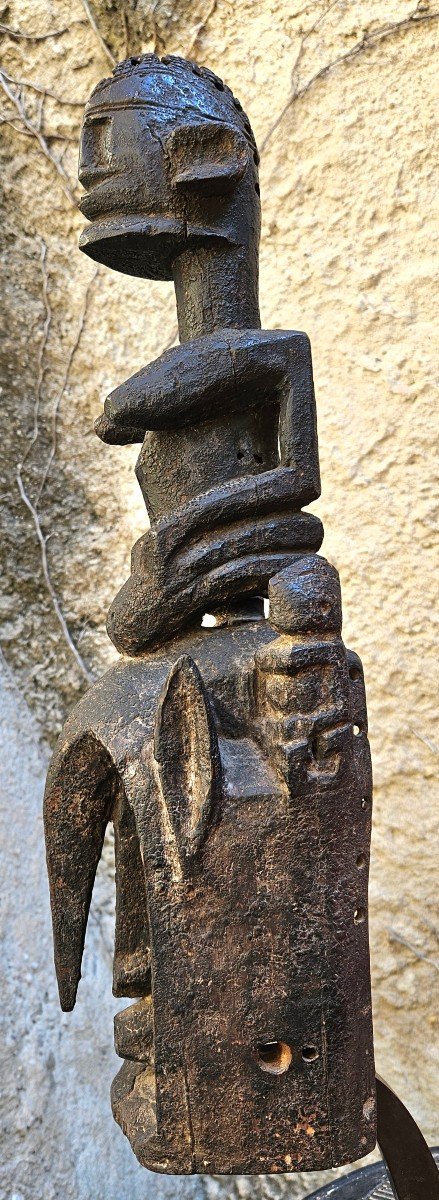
<point>233,760</point>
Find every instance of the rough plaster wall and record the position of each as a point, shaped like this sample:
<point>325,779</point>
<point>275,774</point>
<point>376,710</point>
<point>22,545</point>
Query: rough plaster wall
<point>342,97</point>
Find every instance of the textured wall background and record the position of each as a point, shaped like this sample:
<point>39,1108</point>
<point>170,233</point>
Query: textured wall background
<point>343,98</point>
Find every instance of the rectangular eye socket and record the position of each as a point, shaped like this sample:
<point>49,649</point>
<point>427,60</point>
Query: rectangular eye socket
<point>96,143</point>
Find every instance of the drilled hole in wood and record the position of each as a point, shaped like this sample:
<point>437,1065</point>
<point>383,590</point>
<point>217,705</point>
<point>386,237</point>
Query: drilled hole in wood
<point>357,730</point>
<point>359,916</point>
<point>310,1053</point>
<point>274,1057</point>
<point>354,673</point>
<point>240,454</point>
<point>361,861</point>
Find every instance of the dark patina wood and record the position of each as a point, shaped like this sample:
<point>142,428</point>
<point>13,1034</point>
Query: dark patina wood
<point>234,760</point>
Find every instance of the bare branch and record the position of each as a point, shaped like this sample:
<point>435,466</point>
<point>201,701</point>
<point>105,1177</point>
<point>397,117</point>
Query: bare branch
<point>42,350</point>
<point>60,395</point>
<point>34,132</point>
<point>398,937</point>
<point>40,111</point>
<point>33,507</point>
<point>306,36</point>
<point>431,746</point>
<point>96,30</point>
<point>40,365</point>
<point>417,17</point>
<point>53,596</point>
<point>18,129</point>
<point>43,91</point>
<point>200,29</point>
<point>39,37</point>
<point>54,137</point>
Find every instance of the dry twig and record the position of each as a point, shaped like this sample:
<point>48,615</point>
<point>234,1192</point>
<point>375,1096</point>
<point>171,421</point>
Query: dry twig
<point>200,29</point>
<point>39,37</point>
<point>421,737</point>
<point>96,30</point>
<point>61,392</point>
<point>36,133</point>
<point>18,129</point>
<point>417,17</point>
<point>54,137</point>
<point>33,506</point>
<point>398,937</point>
<point>42,91</point>
<point>40,365</point>
<point>43,344</point>
<point>53,596</point>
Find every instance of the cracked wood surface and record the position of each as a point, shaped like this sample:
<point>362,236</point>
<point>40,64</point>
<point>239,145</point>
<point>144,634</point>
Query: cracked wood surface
<point>243,787</point>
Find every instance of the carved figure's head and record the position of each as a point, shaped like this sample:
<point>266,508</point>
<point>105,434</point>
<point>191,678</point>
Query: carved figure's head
<point>169,162</point>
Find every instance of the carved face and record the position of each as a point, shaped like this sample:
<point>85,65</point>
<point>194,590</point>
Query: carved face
<point>169,163</point>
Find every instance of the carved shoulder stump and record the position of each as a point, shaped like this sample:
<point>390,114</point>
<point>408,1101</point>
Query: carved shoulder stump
<point>233,760</point>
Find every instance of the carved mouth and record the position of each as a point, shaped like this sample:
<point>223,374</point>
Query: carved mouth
<point>139,244</point>
<point>120,225</point>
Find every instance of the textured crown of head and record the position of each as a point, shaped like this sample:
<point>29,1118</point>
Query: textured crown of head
<point>145,80</point>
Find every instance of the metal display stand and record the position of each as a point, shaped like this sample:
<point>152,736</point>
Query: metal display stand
<point>409,1170</point>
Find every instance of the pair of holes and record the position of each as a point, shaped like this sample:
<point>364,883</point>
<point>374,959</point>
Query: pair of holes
<point>276,1057</point>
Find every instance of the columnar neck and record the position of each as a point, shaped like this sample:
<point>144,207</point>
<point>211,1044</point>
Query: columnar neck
<point>216,288</point>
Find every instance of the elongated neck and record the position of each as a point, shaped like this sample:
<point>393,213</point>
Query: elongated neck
<point>216,287</point>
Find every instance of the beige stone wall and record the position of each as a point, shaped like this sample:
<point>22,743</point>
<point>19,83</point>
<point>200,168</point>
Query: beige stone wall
<point>343,98</point>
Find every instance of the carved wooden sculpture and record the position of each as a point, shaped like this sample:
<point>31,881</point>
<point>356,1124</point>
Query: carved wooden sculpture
<point>234,760</point>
